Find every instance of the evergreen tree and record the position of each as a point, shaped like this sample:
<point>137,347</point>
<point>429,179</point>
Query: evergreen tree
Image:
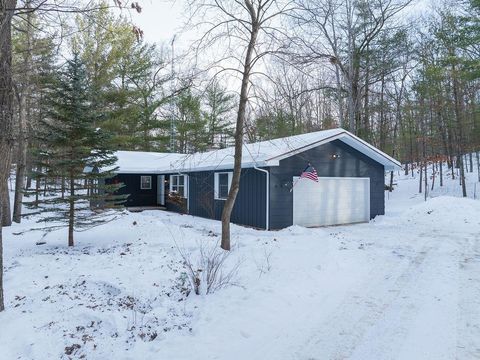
<point>134,99</point>
<point>274,124</point>
<point>219,106</point>
<point>128,78</point>
<point>190,125</point>
<point>73,154</point>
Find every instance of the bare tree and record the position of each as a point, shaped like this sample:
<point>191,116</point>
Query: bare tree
<point>252,30</point>
<point>348,29</point>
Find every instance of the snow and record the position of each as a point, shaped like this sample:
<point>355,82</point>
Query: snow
<point>144,162</point>
<point>264,153</point>
<point>404,286</point>
<point>268,153</point>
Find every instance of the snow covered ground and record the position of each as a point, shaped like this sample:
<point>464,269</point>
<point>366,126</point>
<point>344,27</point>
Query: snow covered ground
<point>404,286</point>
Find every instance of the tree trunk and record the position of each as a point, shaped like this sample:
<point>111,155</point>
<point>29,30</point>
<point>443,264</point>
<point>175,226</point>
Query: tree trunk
<point>340,97</point>
<point>2,302</point>
<point>425,177</point>
<point>5,195</point>
<point>242,107</point>
<point>441,173</point>
<point>71,213</point>
<point>21,161</point>
<point>6,117</point>
<point>366,106</point>
<point>478,164</point>
<point>382,142</point>
<point>22,141</point>
<point>420,182</point>
<point>37,188</point>
<point>433,176</point>
<point>458,116</point>
<point>28,174</point>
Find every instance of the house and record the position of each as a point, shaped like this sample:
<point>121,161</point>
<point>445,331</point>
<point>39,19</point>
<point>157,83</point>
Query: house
<point>350,187</point>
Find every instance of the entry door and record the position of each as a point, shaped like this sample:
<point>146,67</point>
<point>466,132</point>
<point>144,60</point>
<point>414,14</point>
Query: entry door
<point>331,201</point>
<point>161,190</point>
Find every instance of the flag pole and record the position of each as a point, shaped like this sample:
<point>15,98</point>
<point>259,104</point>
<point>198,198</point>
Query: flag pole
<point>295,183</point>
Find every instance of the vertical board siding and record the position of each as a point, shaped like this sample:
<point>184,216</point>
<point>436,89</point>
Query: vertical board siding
<point>137,196</point>
<point>250,205</point>
<point>201,194</point>
<point>351,163</point>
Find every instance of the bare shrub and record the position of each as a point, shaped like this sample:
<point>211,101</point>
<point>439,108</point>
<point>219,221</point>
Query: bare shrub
<point>264,264</point>
<point>207,268</point>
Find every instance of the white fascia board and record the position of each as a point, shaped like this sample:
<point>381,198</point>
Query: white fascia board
<point>355,142</point>
<point>369,150</point>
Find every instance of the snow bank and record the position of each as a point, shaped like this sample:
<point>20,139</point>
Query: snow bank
<point>444,214</point>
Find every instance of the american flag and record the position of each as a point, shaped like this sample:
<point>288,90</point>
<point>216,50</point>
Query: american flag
<point>310,173</point>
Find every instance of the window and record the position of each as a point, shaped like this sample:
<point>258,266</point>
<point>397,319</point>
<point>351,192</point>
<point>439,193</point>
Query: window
<point>177,185</point>
<point>223,182</point>
<point>145,182</point>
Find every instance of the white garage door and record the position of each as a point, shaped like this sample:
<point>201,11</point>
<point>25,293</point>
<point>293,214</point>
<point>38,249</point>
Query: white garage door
<point>331,201</point>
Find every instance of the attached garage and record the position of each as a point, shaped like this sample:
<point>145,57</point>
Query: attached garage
<point>331,201</point>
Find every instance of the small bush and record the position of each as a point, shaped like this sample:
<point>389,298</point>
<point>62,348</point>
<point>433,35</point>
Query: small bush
<point>207,269</point>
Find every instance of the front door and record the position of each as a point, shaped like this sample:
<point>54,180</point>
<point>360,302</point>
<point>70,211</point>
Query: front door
<point>161,190</point>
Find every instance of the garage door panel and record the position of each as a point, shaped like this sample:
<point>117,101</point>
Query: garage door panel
<point>331,201</point>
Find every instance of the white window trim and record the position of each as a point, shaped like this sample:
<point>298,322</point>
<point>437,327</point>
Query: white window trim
<point>217,184</point>
<point>185,184</point>
<point>141,182</point>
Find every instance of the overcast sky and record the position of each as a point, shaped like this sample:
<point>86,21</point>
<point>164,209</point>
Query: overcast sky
<point>162,19</point>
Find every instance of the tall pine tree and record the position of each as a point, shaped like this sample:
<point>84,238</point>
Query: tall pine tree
<point>219,105</point>
<point>74,154</point>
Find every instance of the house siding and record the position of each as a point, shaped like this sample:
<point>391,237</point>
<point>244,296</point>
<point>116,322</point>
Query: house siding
<point>250,205</point>
<point>351,163</point>
<point>137,196</point>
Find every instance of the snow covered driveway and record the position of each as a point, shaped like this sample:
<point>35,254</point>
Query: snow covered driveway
<point>405,286</point>
<point>425,306</point>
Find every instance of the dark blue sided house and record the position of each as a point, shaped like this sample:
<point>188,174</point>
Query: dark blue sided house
<point>350,187</point>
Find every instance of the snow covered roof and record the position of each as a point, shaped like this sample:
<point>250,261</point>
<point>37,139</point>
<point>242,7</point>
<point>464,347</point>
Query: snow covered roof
<point>269,153</point>
<point>144,162</point>
<point>261,154</point>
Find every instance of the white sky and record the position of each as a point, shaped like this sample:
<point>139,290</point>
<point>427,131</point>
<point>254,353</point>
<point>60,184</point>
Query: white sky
<point>162,19</point>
